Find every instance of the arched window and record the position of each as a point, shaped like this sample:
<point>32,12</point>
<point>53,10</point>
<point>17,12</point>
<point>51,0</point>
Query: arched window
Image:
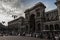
<point>57,27</point>
<point>51,27</point>
<point>46,27</point>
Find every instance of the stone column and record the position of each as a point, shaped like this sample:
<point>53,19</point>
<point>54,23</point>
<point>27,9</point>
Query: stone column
<point>43,28</point>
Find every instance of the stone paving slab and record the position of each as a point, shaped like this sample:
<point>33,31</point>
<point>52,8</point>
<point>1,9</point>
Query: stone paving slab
<point>18,38</point>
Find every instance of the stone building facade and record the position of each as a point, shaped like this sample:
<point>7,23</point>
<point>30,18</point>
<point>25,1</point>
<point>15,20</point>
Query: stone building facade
<point>16,26</point>
<point>40,22</point>
<point>3,29</point>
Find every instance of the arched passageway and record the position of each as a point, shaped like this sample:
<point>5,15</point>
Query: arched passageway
<point>32,23</point>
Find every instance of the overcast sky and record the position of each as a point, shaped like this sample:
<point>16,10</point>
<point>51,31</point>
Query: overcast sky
<point>17,7</point>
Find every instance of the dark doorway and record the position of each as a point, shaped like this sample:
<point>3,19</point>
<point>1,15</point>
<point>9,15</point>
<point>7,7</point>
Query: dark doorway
<point>39,28</point>
<point>32,23</point>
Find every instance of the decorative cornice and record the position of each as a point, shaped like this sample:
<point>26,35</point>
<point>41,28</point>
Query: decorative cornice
<point>40,4</point>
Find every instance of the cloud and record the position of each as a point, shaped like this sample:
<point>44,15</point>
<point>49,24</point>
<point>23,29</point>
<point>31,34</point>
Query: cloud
<point>6,18</point>
<point>10,7</point>
<point>17,7</point>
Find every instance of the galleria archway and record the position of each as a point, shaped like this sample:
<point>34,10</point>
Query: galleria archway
<point>32,23</point>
